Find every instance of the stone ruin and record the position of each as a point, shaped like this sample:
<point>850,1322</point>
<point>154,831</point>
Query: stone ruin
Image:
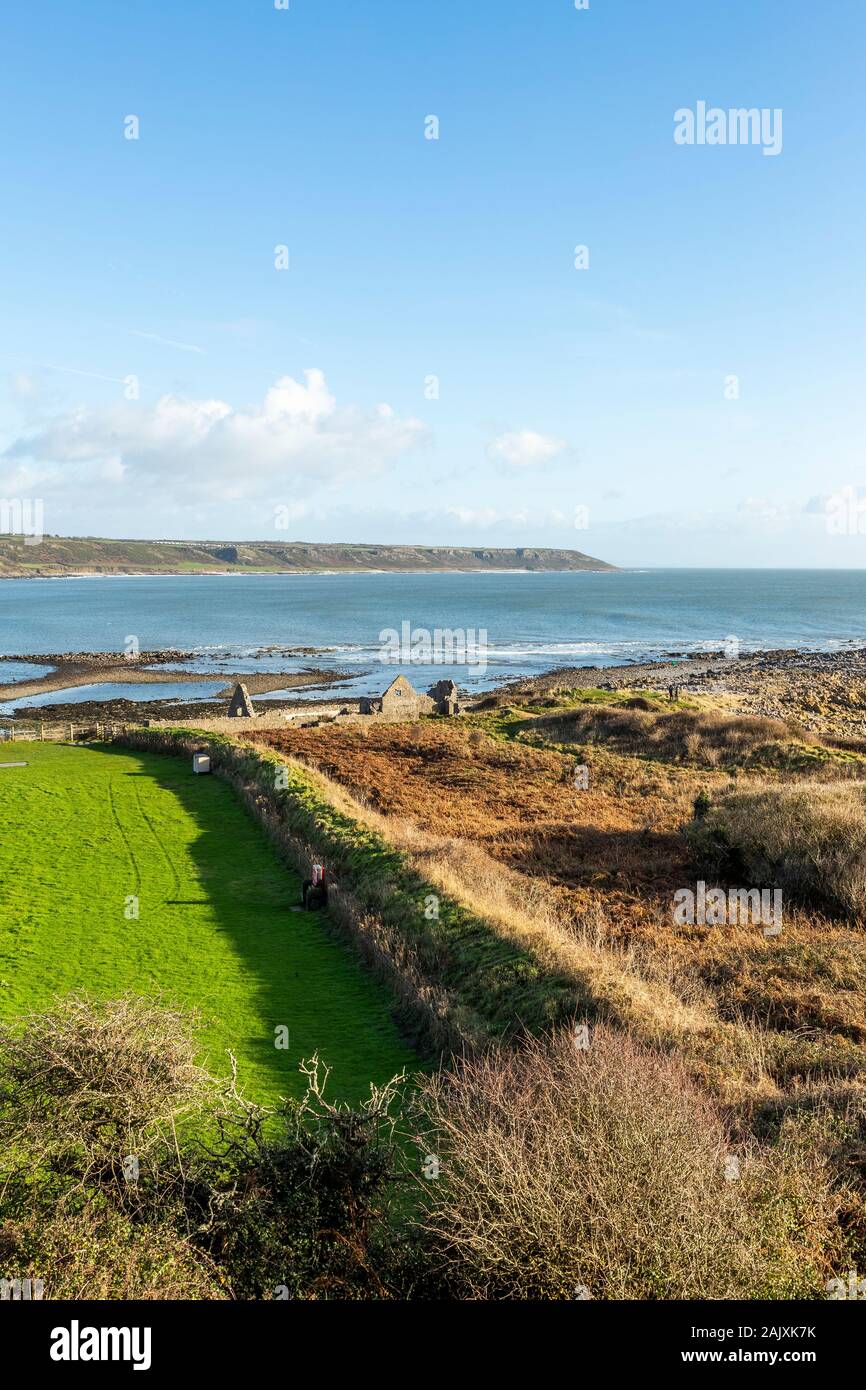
<point>240,705</point>
<point>402,701</point>
<point>397,704</point>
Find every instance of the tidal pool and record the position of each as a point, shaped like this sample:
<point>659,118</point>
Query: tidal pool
<point>179,691</point>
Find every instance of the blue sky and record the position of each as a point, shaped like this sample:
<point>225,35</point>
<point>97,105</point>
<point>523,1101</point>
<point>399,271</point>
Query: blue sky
<point>159,375</point>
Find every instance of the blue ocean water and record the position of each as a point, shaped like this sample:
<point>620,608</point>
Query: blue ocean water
<point>524,623</point>
<point>21,671</point>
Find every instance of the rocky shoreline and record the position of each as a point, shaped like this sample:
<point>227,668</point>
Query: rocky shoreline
<point>76,669</point>
<point>823,691</point>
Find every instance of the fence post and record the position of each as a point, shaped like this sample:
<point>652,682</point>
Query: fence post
<point>71,733</point>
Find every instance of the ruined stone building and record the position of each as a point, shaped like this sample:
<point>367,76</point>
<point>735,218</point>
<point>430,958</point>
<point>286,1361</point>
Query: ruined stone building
<point>402,701</point>
<point>445,697</point>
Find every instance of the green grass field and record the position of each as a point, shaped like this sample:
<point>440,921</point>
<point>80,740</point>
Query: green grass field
<point>83,830</point>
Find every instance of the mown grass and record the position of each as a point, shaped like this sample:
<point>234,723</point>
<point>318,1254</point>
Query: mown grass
<point>86,829</point>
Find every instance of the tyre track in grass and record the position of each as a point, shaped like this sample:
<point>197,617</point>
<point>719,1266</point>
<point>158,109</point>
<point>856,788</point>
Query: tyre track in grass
<point>172,867</point>
<point>130,853</point>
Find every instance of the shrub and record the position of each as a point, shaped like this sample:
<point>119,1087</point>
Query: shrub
<point>230,1197</point>
<point>98,1253</point>
<point>605,1170</point>
<point>302,1205</point>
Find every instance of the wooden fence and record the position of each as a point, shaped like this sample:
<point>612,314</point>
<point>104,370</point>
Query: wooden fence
<point>54,732</point>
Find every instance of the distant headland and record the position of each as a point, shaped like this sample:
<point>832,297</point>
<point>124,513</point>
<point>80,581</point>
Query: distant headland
<point>58,556</point>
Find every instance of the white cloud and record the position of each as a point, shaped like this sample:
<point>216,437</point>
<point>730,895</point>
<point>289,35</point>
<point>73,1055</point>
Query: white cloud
<point>113,470</point>
<point>525,449</point>
<point>208,449</point>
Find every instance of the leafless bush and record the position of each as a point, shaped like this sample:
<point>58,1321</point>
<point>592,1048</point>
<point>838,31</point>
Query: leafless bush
<point>606,1170</point>
<point>89,1085</point>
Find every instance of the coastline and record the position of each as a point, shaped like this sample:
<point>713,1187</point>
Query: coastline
<point>823,691</point>
<point>72,670</point>
<point>258,573</point>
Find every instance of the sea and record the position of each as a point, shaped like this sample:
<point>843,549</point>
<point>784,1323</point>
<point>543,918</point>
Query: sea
<point>492,626</point>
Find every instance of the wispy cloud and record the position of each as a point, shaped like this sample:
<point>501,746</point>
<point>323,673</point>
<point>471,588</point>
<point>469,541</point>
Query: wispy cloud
<point>167,342</point>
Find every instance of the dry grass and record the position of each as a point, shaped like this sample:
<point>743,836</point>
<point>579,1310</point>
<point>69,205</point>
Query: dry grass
<point>611,980</point>
<point>589,877</point>
<point>522,912</point>
<point>702,736</point>
<point>520,803</point>
<point>809,840</point>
